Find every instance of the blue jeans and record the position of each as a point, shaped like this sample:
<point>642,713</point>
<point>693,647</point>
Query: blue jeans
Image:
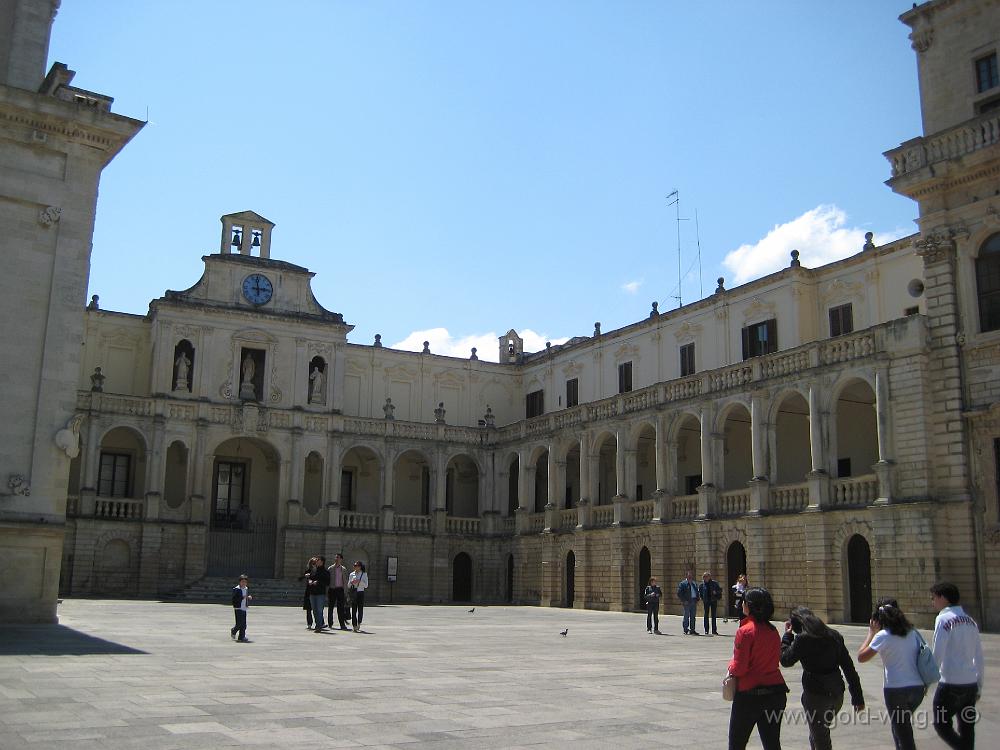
<point>690,616</point>
<point>902,702</point>
<point>318,602</point>
<point>956,702</point>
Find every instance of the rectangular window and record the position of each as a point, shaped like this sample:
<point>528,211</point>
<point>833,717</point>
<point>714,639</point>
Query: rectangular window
<point>687,360</point>
<point>113,475</point>
<point>911,310</point>
<point>230,482</point>
<point>760,338</point>
<point>534,404</point>
<point>347,490</point>
<point>843,468</point>
<point>691,484</point>
<point>841,320</point>
<point>986,73</point>
<point>572,392</point>
<point>625,377</point>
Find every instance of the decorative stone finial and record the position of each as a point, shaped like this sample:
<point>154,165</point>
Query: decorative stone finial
<point>427,348</point>
<point>94,299</point>
<point>869,242</point>
<point>655,311</point>
<point>97,380</point>
<point>378,341</point>
<point>795,260</point>
<point>439,413</point>
<point>548,346</point>
<point>474,355</point>
<point>597,329</point>
<point>722,285</point>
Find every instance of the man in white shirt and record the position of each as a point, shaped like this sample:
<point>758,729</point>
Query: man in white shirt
<point>958,650</point>
<point>241,598</point>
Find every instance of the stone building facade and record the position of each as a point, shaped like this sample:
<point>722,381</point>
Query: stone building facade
<point>55,139</point>
<point>833,432</point>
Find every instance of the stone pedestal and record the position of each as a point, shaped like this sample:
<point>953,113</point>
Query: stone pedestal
<point>819,489</point>
<point>708,500</point>
<point>30,558</point>
<point>886,473</point>
<point>623,511</point>
<point>661,506</point>
<point>760,493</point>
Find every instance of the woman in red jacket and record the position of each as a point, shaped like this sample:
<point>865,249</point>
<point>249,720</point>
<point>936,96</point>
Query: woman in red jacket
<point>760,688</point>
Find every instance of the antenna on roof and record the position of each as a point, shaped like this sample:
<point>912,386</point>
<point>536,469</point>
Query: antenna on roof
<point>697,234</point>
<point>675,200</point>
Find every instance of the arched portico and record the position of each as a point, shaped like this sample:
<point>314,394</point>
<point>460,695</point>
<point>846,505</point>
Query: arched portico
<point>462,486</point>
<point>411,490</point>
<point>361,480</point>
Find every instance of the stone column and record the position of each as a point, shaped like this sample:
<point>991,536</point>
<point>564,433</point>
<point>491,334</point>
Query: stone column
<point>586,489</point>
<point>439,493</point>
<point>200,492</point>
<point>758,435</point>
<point>155,470</point>
<point>884,469</point>
<point>554,497</point>
<point>662,484</point>
<point>621,440</point>
<point>295,475</point>
<point>89,467</point>
<point>818,478</point>
<point>707,446</point>
<point>334,469</point>
<point>337,366</point>
<point>388,501</point>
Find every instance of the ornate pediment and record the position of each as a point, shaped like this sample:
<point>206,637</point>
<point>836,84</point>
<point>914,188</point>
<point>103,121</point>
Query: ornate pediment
<point>758,309</point>
<point>839,289</point>
<point>399,372</point>
<point>572,368</point>
<point>626,351</point>
<point>687,331</point>
<point>254,334</point>
<point>448,378</point>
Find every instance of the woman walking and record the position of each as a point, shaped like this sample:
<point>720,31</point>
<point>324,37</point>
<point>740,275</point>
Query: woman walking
<point>824,656</point>
<point>760,688</point>
<point>739,589</point>
<point>356,586</point>
<point>306,603</point>
<point>891,636</point>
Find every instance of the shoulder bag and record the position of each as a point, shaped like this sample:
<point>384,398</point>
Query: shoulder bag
<point>729,687</point>
<point>926,664</point>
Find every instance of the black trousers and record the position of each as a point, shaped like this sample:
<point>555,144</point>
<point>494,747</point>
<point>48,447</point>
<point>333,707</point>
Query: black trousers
<point>821,711</point>
<point>956,702</point>
<point>711,608</point>
<point>335,599</point>
<point>901,703</point>
<point>653,614</point>
<point>357,608</point>
<point>241,623</point>
<point>764,712</point>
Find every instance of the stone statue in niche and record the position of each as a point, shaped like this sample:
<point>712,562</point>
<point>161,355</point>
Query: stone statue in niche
<point>388,409</point>
<point>97,380</point>
<point>316,394</point>
<point>247,369</point>
<point>183,367</point>
<point>489,420</point>
<point>439,413</point>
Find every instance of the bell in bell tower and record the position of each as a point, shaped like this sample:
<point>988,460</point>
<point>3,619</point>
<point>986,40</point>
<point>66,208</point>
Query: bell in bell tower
<point>246,233</point>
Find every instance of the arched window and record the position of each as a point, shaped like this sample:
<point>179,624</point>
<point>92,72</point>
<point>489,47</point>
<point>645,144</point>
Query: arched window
<point>988,283</point>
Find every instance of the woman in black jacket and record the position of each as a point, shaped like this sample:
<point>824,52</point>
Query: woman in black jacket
<point>306,603</point>
<point>824,656</point>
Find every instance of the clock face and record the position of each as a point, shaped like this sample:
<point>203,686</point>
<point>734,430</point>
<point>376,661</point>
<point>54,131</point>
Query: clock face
<point>257,288</point>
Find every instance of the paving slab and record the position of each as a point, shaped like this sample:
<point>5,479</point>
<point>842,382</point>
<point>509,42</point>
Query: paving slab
<point>159,675</point>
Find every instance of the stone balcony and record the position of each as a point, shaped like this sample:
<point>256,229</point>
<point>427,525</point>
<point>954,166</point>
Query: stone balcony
<point>972,136</point>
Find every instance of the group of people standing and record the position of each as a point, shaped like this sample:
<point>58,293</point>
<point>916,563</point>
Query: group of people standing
<point>334,589</point>
<point>708,592</point>
<point>760,696</point>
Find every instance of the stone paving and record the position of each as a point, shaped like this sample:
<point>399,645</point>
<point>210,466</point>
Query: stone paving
<point>154,675</point>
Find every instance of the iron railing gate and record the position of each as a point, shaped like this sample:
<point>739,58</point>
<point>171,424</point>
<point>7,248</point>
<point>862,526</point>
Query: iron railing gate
<point>250,550</point>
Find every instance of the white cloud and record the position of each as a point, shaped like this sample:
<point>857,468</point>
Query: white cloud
<point>441,341</point>
<point>820,235</point>
<point>633,286</point>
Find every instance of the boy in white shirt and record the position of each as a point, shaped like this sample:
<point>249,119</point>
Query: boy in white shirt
<point>958,651</point>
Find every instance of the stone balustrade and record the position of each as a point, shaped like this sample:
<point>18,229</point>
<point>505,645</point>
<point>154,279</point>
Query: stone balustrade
<point>789,497</point>
<point>411,524</point>
<point>465,526</point>
<point>684,507</point>
<point>642,511</point>
<point>118,509</point>
<point>536,523</point>
<point>568,519</point>
<point>353,521</point>
<point>734,502</point>
<point>602,515</point>
<point>854,491</point>
<point>971,136</point>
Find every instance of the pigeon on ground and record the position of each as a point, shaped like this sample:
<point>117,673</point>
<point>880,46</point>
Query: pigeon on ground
<point>564,632</point>
<point>472,610</point>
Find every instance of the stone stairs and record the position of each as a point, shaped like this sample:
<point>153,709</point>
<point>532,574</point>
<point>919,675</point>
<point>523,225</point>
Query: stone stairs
<point>216,590</point>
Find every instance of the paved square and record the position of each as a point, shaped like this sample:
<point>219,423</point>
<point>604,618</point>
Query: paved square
<point>138,674</point>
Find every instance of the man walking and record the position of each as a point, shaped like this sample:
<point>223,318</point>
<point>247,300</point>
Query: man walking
<point>958,651</point>
<point>710,592</point>
<point>241,600</point>
<point>687,592</point>
<point>319,582</point>
<point>336,598</point>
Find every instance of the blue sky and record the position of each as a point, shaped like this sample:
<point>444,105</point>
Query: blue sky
<point>451,170</point>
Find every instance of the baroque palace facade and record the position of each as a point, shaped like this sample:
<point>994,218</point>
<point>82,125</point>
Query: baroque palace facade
<point>833,432</point>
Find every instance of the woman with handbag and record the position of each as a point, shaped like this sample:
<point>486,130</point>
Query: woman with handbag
<point>760,689</point>
<point>824,656</point>
<point>356,586</point>
<point>306,603</point>
<point>891,636</point>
